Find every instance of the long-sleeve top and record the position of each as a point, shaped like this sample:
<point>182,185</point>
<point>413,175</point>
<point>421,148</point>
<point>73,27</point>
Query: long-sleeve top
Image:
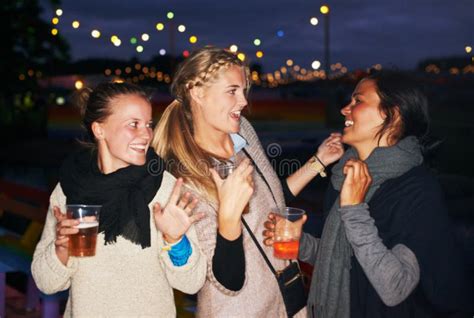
<point>122,279</point>
<point>260,295</point>
<point>406,262</point>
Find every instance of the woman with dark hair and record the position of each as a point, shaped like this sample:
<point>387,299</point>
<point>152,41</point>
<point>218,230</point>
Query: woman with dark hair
<point>387,248</point>
<point>140,256</point>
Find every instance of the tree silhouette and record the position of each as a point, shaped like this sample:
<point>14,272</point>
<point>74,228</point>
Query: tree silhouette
<point>28,52</point>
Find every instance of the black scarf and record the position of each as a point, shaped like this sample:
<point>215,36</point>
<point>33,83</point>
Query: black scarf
<point>123,194</point>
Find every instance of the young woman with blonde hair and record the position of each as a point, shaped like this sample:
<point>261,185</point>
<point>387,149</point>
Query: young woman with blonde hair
<point>204,127</point>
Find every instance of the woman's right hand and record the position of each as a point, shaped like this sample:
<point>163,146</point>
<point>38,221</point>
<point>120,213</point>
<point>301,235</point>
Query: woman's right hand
<point>64,228</point>
<point>233,193</point>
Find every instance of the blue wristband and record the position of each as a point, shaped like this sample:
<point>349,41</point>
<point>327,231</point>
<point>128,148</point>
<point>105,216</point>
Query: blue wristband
<point>179,253</point>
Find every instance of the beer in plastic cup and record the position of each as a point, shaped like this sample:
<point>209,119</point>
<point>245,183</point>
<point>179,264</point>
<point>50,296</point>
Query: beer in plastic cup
<point>287,233</point>
<point>83,243</point>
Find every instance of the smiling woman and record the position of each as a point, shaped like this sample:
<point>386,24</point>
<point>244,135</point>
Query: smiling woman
<point>134,269</point>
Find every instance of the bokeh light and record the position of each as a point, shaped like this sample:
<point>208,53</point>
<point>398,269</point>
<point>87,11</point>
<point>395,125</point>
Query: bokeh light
<point>79,84</point>
<point>316,64</point>
<point>289,62</point>
<point>75,24</point>
<point>139,49</point>
<point>257,42</point>
<point>324,9</point>
<point>133,40</point>
<point>259,54</point>
<point>162,52</point>
<point>55,20</point>
<point>468,49</point>
<point>192,39</point>
<point>170,15</point>
<point>314,21</point>
<point>234,48</point>
<point>241,56</point>
<point>95,34</point>
<point>59,12</point>
<point>280,33</point>
<point>160,26</point>
<point>54,31</point>
<point>181,28</point>
<point>145,37</point>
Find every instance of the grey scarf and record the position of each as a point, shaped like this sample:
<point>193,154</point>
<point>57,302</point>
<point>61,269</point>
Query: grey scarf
<point>330,297</point>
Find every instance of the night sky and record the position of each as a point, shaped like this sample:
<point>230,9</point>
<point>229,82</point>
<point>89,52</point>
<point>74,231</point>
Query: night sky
<point>362,32</point>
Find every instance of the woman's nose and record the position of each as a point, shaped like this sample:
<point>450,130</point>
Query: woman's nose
<point>346,110</point>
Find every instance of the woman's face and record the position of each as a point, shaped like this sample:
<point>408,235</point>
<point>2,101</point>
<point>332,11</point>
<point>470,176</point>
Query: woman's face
<point>363,118</point>
<point>218,105</point>
<point>124,137</point>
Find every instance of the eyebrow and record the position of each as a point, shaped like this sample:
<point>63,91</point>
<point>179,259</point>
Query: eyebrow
<point>233,86</point>
<point>357,94</point>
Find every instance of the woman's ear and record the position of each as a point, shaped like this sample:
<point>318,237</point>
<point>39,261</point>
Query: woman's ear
<point>98,130</point>
<point>197,94</point>
<point>395,130</point>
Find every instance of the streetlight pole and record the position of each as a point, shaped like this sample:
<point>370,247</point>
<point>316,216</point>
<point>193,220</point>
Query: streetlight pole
<point>327,64</point>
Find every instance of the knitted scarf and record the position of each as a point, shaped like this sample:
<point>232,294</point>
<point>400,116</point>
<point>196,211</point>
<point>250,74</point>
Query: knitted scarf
<point>123,194</point>
<point>331,296</point>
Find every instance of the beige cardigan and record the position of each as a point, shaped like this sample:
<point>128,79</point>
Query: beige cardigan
<point>260,295</point>
<point>122,279</point>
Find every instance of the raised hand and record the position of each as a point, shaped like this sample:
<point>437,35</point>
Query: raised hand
<point>356,184</point>
<point>176,217</point>
<point>234,194</point>
<point>331,149</point>
<point>64,228</point>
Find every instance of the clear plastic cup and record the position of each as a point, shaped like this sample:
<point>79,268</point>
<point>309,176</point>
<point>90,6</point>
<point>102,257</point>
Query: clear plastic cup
<point>286,242</point>
<point>84,242</point>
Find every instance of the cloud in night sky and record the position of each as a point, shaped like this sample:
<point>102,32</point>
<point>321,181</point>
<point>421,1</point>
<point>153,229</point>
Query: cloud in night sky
<point>362,32</point>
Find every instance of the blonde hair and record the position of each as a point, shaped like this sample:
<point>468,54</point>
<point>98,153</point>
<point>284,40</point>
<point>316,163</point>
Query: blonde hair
<point>173,139</point>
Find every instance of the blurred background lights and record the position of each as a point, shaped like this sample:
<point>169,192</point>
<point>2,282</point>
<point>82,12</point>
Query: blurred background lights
<point>95,34</point>
<point>289,62</point>
<point>259,54</point>
<point>170,15</point>
<point>181,28</point>
<point>145,37</point>
<point>314,21</point>
<point>234,48</point>
<point>133,40</point>
<point>257,42</point>
<point>60,100</point>
<point>78,84</point>
<point>54,31</point>
<point>55,20</point>
<point>59,12</point>
<point>468,49</point>
<point>160,26</point>
<point>139,49</point>
<point>324,9</point>
<point>192,39</point>
<point>162,52</point>
<point>241,56</point>
<point>280,33</point>
<point>75,24</point>
<point>316,65</point>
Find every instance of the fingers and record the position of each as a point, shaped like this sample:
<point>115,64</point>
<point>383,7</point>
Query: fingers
<point>215,176</point>
<point>157,209</point>
<point>190,207</point>
<point>197,217</point>
<point>58,215</point>
<point>176,191</point>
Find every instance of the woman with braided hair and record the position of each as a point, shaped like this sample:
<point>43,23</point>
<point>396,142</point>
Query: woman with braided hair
<point>204,126</point>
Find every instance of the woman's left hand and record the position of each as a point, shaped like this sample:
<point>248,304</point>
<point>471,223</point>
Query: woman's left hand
<point>356,184</point>
<point>176,218</point>
<point>331,149</point>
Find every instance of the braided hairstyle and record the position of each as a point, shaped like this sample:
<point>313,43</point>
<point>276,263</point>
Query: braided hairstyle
<point>174,135</point>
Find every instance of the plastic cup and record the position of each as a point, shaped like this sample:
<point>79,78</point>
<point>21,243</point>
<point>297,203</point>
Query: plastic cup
<point>288,227</point>
<point>84,242</point>
<point>224,170</point>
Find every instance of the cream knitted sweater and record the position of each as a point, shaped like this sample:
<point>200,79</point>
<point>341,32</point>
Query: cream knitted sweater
<point>260,296</point>
<point>122,279</point>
